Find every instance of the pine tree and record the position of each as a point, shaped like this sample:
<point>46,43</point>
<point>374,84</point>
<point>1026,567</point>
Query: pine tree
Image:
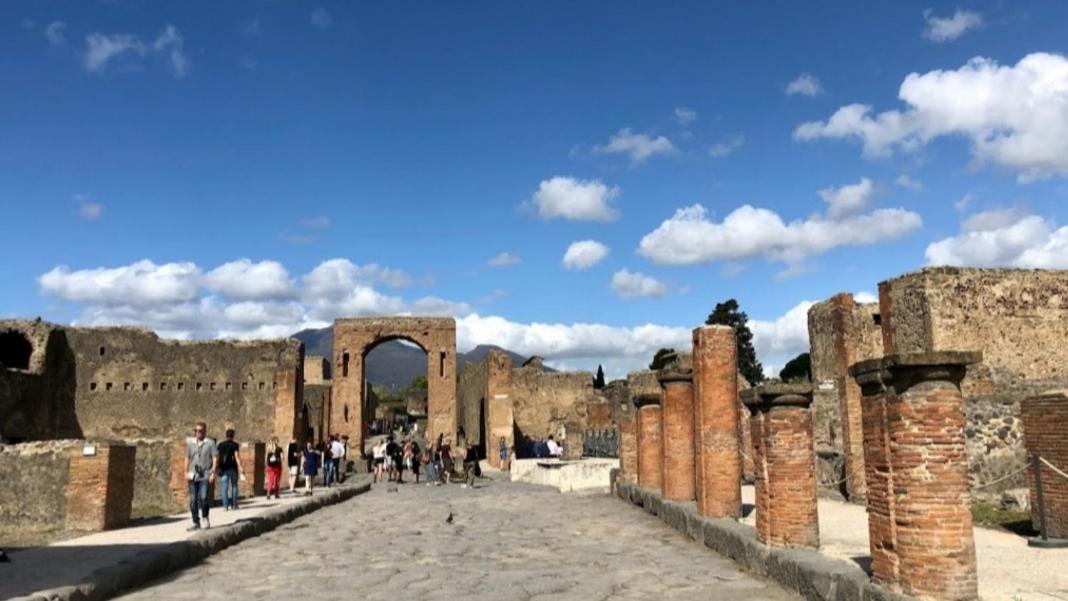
<point>727,314</point>
<point>598,382</point>
<point>660,358</point>
<point>797,369</point>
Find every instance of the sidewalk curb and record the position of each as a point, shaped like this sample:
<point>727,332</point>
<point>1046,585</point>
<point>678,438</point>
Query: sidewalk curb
<point>111,581</point>
<point>811,574</point>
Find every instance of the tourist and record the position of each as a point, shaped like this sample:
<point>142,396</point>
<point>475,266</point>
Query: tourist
<point>378,452</point>
<point>229,470</point>
<point>201,462</point>
<point>274,468</point>
<point>326,453</point>
<point>540,450</point>
<point>470,464</point>
<point>309,465</point>
<point>392,453</point>
<point>415,460</point>
<point>502,452</point>
<point>446,461</point>
<point>430,460</point>
<point>293,462</point>
<point>398,461</point>
<point>345,467</point>
<point>553,449</point>
<point>337,457</point>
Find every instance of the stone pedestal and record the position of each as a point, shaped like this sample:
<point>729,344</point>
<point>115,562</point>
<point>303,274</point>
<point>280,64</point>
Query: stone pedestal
<point>650,442</point>
<point>785,464</point>
<point>628,446</point>
<point>678,432</point>
<point>919,517</point>
<point>100,486</point>
<point>715,390</point>
<point>1045,425</point>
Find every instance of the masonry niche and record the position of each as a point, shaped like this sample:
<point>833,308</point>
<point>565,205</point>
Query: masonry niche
<point>355,337</point>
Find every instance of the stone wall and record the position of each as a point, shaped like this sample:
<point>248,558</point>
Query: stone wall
<point>470,393</point>
<point>37,382</point>
<point>316,411</point>
<point>545,402</point>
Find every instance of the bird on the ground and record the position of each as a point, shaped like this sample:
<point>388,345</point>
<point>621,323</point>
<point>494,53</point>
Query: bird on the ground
<point>448,520</point>
<point>5,559</point>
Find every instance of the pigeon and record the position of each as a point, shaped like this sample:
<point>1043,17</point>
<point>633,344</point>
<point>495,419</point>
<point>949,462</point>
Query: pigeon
<point>448,520</point>
<point>5,559</point>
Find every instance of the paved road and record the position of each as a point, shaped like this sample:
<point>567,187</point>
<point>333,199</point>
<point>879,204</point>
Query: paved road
<point>507,541</point>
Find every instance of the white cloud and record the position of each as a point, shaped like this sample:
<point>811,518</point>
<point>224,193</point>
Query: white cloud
<point>316,222</point>
<point>689,237</point>
<point>909,183</point>
<point>1003,238</point>
<point>779,340</point>
<point>89,210</point>
<point>726,147</point>
<point>321,18</point>
<point>247,281</point>
<point>629,284</point>
<point>56,32</point>
<point>137,285</point>
<point>964,201</point>
<point>848,200</point>
<point>503,259</point>
<point>101,49</point>
<point>170,42</point>
<point>584,254</point>
<point>1014,116</point>
<point>638,147</point>
<point>576,199</point>
<point>335,276</point>
<point>866,297</point>
<point>947,29</point>
<point>805,84</point>
<point>685,115</point>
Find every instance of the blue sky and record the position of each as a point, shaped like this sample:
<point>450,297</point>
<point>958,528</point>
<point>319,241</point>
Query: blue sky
<point>377,157</point>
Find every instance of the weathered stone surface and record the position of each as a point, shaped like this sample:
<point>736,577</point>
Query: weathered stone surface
<point>719,462</point>
<point>1045,420</point>
<point>677,413</point>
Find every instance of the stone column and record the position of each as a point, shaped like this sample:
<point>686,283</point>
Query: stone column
<point>715,383</point>
<point>1045,424</point>
<point>100,486</point>
<point>500,419</point>
<point>628,445</point>
<point>678,426</point>
<point>650,443</point>
<point>785,464</point>
<point>920,521</point>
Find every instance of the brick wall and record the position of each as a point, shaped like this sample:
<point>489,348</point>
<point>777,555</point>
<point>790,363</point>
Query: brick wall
<point>1045,424</point>
<point>678,435</point>
<point>100,485</point>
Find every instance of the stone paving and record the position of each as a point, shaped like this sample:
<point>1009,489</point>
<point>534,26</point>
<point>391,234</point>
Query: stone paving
<point>506,541</point>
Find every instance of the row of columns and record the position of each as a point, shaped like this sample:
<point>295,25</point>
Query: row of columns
<point>684,442</point>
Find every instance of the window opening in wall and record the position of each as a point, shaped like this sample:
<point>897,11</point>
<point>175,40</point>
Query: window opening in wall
<point>15,350</point>
<point>126,386</point>
<point>441,365</point>
<point>162,386</point>
<point>107,386</point>
<point>92,385</point>
<point>199,386</point>
<point>144,386</point>
<point>346,412</point>
<point>262,385</point>
<point>229,385</point>
<point>345,364</point>
<point>101,351</point>
<point>244,386</point>
<point>181,386</point>
<point>274,385</point>
<point>877,318</point>
<point>212,385</point>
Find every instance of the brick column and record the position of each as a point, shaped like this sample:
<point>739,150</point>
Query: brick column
<point>628,445</point>
<point>254,460</point>
<point>1045,422</point>
<point>785,464</point>
<point>500,417</point>
<point>715,384</point>
<point>678,426</point>
<point>100,486</point>
<point>919,516</point>
<point>650,443</point>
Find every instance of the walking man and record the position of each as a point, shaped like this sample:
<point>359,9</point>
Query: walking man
<point>337,457</point>
<point>201,461</point>
<point>230,470</point>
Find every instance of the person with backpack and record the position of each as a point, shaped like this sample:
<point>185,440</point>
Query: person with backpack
<point>274,468</point>
<point>293,462</point>
<point>230,470</point>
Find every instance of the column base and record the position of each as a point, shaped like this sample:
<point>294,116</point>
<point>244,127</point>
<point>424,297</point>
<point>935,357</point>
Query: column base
<point>1047,543</point>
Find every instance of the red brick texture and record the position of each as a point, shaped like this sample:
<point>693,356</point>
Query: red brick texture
<point>628,446</point>
<point>650,447</point>
<point>715,390</point>
<point>1045,423</point>
<point>920,522</point>
<point>100,487</point>
<point>849,397</point>
<point>678,431</point>
<point>785,465</point>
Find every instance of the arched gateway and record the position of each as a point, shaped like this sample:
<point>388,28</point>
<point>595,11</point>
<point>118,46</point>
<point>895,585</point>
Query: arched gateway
<point>354,337</point>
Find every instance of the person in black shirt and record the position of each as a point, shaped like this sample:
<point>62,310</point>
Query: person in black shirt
<point>293,461</point>
<point>229,469</point>
<point>393,452</point>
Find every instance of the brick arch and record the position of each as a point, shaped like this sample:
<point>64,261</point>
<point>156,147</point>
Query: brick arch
<point>355,337</point>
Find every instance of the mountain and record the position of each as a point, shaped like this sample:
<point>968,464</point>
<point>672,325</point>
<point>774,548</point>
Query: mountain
<point>393,364</point>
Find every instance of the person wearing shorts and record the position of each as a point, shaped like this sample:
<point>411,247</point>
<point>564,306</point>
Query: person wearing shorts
<point>378,452</point>
<point>293,461</point>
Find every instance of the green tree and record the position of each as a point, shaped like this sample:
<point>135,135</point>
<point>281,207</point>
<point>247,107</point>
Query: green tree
<point>660,358</point>
<point>727,314</point>
<point>598,380</point>
<point>796,369</point>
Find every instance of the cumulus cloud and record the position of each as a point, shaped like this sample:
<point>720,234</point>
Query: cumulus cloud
<point>629,284</point>
<point>56,33</point>
<point>503,259</point>
<point>638,147</point>
<point>576,199</point>
<point>321,18</point>
<point>1014,116</point>
<point>245,280</point>
<point>100,49</point>
<point>685,115</point>
<point>866,297</point>
<point>909,183</point>
<point>947,29</point>
<point>137,285</point>
<point>781,339</point>
<point>1003,238</point>
<point>690,237</point>
<point>726,147</point>
<point>805,84</point>
<point>170,42</point>
<point>584,254</point>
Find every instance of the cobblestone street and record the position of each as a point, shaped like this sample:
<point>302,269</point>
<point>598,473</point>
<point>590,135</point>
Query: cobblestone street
<point>506,541</point>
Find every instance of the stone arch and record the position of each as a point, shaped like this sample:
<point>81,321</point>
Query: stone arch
<point>15,350</point>
<point>355,337</point>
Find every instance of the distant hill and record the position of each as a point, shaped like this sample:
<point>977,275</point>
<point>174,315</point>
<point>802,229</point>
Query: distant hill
<point>393,364</point>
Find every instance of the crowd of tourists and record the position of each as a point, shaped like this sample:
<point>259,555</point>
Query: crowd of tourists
<point>440,463</point>
<point>207,462</point>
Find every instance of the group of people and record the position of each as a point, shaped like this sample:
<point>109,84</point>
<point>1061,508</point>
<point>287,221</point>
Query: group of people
<point>540,448</point>
<point>207,461</point>
<point>391,459</point>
